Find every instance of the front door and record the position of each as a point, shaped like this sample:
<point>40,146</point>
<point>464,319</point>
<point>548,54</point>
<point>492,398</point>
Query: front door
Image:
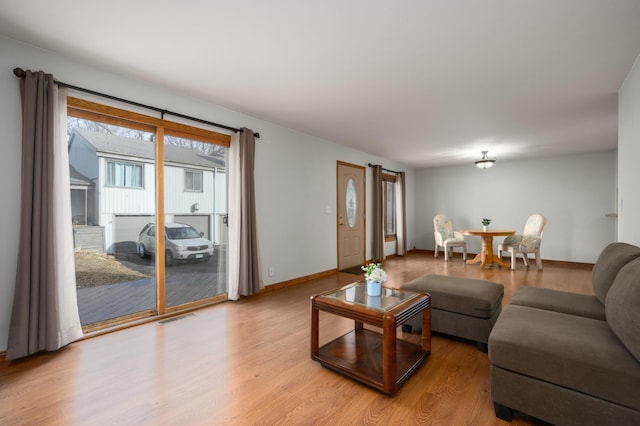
<point>350,215</point>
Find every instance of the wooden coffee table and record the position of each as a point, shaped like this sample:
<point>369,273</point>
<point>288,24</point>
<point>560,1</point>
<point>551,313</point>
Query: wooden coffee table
<point>379,360</point>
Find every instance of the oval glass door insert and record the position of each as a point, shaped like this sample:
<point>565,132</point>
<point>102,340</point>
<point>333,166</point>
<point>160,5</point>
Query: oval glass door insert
<point>351,203</point>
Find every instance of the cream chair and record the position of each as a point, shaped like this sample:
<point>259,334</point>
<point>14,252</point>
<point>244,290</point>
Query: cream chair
<point>527,242</point>
<point>446,238</point>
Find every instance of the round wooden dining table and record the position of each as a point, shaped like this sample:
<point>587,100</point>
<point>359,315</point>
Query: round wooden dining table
<point>486,255</point>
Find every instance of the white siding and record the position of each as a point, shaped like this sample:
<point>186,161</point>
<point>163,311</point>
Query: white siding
<point>117,200</point>
<point>124,201</point>
<point>179,201</point>
<point>220,230</point>
<point>221,192</point>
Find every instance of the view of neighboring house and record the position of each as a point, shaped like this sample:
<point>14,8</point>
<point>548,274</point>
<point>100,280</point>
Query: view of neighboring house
<point>113,187</point>
<point>82,189</point>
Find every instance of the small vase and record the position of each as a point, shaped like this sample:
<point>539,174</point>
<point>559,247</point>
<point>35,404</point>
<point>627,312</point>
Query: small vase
<point>485,228</point>
<point>374,288</point>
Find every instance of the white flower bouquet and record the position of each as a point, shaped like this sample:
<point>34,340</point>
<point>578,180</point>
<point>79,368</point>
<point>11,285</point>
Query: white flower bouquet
<point>374,272</point>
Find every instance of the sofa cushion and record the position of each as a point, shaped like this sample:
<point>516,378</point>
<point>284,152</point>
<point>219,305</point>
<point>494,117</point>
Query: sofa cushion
<point>574,352</point>
<point>623,307</point>
<point>477,298</point>
<point>611,260</point>
<point>583,305</point>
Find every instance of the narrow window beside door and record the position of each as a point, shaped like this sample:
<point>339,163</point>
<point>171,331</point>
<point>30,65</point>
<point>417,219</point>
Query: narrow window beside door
<point>389,203</point>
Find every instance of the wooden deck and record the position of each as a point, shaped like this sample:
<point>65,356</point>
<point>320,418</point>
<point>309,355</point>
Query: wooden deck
<point>185,282</point>
<point>115,300</point>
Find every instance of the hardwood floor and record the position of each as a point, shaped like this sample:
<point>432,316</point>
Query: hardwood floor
<point>248,363</point>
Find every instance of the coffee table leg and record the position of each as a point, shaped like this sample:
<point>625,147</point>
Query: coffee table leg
<point>389,375</point>
<point>426,329</point>
<point>314,331</point>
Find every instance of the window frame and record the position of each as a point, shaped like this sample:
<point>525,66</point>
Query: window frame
<point>386,180</point>
<point>199,173</point>
<point>125,163</point>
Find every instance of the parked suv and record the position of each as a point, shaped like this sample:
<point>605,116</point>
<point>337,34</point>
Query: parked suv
<point>182,242</point>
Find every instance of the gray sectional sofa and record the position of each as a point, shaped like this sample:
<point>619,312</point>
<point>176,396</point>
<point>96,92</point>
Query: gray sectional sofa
<point>572,359</point>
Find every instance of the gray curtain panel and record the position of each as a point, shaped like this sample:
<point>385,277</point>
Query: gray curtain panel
<point>34,320</point>
<point>377,237</point>
<point>401,215</point>
<point>249,273</point>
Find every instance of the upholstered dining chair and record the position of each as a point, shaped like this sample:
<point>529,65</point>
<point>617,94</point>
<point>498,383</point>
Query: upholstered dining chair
<point>446,238</point>
<point>527,242</point>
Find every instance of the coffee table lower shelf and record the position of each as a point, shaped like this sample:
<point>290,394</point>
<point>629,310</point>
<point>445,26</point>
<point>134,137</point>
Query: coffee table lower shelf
<point>358,354</point>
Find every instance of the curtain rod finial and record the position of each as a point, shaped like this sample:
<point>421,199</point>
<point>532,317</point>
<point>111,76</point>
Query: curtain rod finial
<point>19,72</point>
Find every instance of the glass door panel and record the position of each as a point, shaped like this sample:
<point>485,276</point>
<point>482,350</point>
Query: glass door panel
<point>112,183</point>
<point>195,205</point>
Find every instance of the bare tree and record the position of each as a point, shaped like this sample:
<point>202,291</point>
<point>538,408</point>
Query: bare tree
<point>95,126</point>
<point>111,129</point>
<point>205,148</point>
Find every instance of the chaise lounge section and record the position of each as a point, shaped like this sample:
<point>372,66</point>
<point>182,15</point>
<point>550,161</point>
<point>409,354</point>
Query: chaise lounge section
<point>568,358</point>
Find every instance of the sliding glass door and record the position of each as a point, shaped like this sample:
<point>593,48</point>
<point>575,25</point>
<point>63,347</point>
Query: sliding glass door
<point>149,214</point>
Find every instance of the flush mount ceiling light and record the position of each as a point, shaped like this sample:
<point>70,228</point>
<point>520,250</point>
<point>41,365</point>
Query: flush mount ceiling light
<point>485,163</point>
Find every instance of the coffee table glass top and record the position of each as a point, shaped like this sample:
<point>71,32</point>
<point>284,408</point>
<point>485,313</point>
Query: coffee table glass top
<point>357,293</point>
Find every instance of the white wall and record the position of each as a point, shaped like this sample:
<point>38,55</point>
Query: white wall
<point>295,173</point>
<point>295,184</point>
<point>574,192</point>
<point>628,155</point>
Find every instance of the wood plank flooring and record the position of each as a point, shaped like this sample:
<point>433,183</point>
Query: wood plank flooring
<point>248,363</point>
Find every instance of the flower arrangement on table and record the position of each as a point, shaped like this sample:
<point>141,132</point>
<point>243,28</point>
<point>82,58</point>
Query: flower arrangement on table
<point>486,222</point>
<point>375,276</point>
<point>374,272</point>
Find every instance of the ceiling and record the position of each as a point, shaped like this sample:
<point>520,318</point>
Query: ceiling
<point>424,83</point>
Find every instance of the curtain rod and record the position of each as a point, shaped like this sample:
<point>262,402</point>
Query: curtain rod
<point>20,73</point>
<point>386,170</point>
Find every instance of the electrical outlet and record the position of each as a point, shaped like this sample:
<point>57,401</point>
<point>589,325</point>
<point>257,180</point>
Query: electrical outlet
<point>271,271</point>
